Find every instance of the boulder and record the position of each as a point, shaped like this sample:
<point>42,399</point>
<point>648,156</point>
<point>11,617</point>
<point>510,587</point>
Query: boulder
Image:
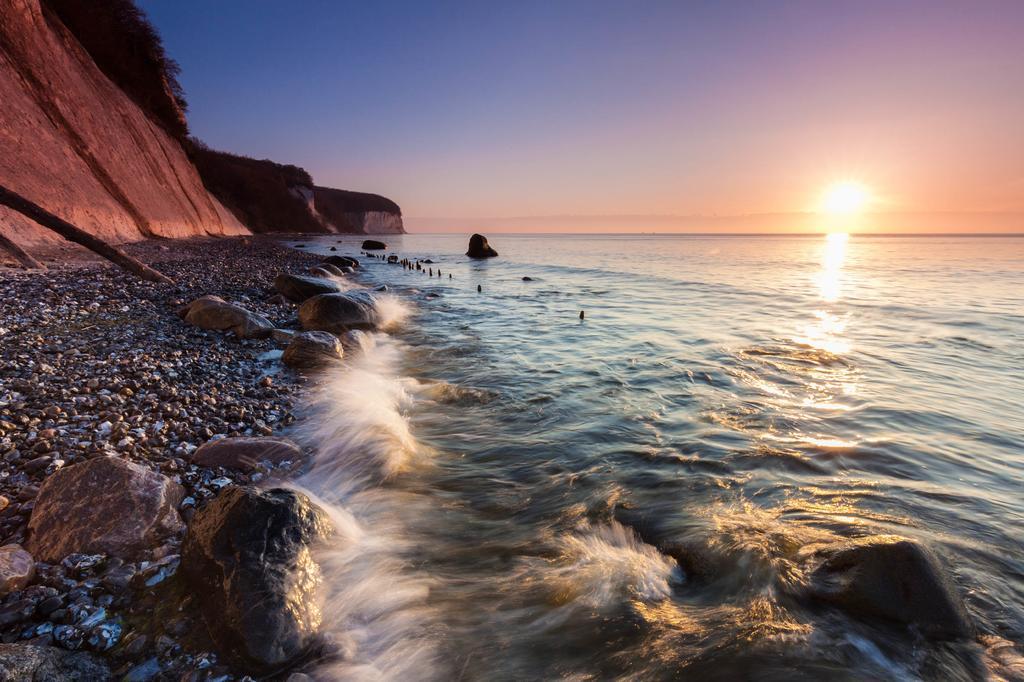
<point>322,272</point>
<point>213,312</point>
<point>30,663</point>
<point>374,245</point>
<point>893,578</point>
<point>331,268</point>
<point>310,350</point>
<point>298,288</point>
<point>342,261</point>
<point>105,505</point>
<point>282,337</point>
<point>17,568</point>
<point>479,248</point>
<point>245,453</point>
<point>248,552</point>
<point>337,313</point>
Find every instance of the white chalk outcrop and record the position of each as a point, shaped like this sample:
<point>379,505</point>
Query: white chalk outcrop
<point>74,143</point>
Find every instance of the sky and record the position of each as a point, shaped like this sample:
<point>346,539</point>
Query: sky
<point>621,116</point>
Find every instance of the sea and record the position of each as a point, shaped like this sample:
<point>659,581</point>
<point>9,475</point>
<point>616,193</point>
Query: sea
<point>610,456</point>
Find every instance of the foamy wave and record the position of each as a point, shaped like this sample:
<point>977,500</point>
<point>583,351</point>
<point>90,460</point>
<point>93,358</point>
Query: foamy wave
<point>391,311</point>
<point>605,566</point>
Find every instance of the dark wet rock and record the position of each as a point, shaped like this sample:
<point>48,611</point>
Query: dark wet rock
<point>374,245</point>
<point>310,350</point>
<point>248,553</point>
<point>27,663</point>
<point>324,273</point>
<point>479,248</point>
<point>298,288</point>
<point>342,261</point>
<point>393,260</point>
<point>104,505</point>
<point>527,279</point>
<point>889,577</point>
<point>337,313</point>
<point>245,453</point>
<point>330,268</point>
<point>17,568</point>
<point>214,313</point>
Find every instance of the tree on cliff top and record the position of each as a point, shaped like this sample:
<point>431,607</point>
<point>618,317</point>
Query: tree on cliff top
<point>127,48</point>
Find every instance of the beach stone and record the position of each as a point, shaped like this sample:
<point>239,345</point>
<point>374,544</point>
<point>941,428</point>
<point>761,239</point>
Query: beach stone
<point>342,261</point>
<point>337,313</point>
<point>479,248</point>
<point>214,313</point>
<point>30,663</point>
<point>310,350</point>
<point>105,505</point>
<point>248,552</point>
<point>17,568</point>
<point>322,272</point>
<point>331,268</point>
<point>890,577</point>
<point>245,453</point>
<point>298,288</point>
<point>282,337</point>
<point>374,245</point>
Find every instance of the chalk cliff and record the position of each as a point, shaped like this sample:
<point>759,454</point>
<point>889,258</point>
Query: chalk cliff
<point>357,212</point>
<point>75,143</point>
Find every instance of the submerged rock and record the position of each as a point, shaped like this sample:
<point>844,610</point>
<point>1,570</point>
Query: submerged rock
<point>248,554</point>
<point>331,268</point>
<point>479,248</point>
<point>886,576</point>
<point>245,453</point>
<point>310,350</point>
<point>105,505</point>
<point>298,288</point>
<point>214,313</point>
<point>337,313</point>
<point>26,662</point>
<point>16,568</point>
<point>374,245</point>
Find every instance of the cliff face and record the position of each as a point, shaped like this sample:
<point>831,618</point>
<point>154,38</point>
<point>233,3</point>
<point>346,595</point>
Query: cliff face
<point>73,142</point>
<point>357,212</point>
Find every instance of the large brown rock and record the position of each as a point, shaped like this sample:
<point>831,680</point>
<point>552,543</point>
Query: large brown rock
<point>374,245</point>
<point>214,313</point>
<point>105,505</point>
<point>312,350</point>
<point>338,313</point>
<point>30,663</point>
<point>17,568</point>
<point>298,288</point>
<point>245,453</point>
<point>248,552</point>
<point>479,248</point>
<point>889,577</point>
<point>342,261</point>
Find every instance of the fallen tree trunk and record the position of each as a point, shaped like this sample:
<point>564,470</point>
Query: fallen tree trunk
<point>20,254</point>
<point>74,234</point>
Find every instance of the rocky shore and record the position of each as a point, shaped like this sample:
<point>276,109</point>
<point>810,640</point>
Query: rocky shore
<point>121,419</point>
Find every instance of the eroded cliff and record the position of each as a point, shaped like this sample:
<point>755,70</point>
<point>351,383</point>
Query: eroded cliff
<point>75,143</point>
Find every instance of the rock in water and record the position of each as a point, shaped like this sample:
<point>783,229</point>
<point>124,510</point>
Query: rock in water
<point>342,261</point>
<point>16,568</point>
<point>337,313</point>
<point>213,312</point>
<point>374,245</point>
<point>298,288</point>
<point>479,248</point>
<point>105,505</point>
<point>26,662</point>
<point>310,350</point>
<point>885,576</point>
<point>247,554</point>
<point>245,453</point>
<point>331,268</point>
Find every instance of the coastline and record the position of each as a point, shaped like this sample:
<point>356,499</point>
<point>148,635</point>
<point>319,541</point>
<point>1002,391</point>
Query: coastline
<point>99,363</point>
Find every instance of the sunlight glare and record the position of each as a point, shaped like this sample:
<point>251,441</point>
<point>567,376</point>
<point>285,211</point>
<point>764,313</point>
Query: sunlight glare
<point>845,198</point>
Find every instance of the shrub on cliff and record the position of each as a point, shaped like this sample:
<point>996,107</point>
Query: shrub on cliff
<point>128,49</point>
<point>263,194</point>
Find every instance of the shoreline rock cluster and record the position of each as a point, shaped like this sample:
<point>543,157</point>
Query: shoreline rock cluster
<point>131,412</point>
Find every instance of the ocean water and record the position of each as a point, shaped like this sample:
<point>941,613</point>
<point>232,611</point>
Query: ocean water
<point>502,470</point>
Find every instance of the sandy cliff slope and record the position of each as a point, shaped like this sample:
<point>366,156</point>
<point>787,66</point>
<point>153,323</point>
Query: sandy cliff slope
<point>74,143</point>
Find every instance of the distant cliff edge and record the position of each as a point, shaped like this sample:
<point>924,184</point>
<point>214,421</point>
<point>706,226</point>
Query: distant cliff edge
<point>93,128</point>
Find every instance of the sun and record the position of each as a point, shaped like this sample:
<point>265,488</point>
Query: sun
<point>845,198</point>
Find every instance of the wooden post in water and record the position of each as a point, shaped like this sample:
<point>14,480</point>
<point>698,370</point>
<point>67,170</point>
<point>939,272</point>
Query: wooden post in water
<point>71,233</point>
